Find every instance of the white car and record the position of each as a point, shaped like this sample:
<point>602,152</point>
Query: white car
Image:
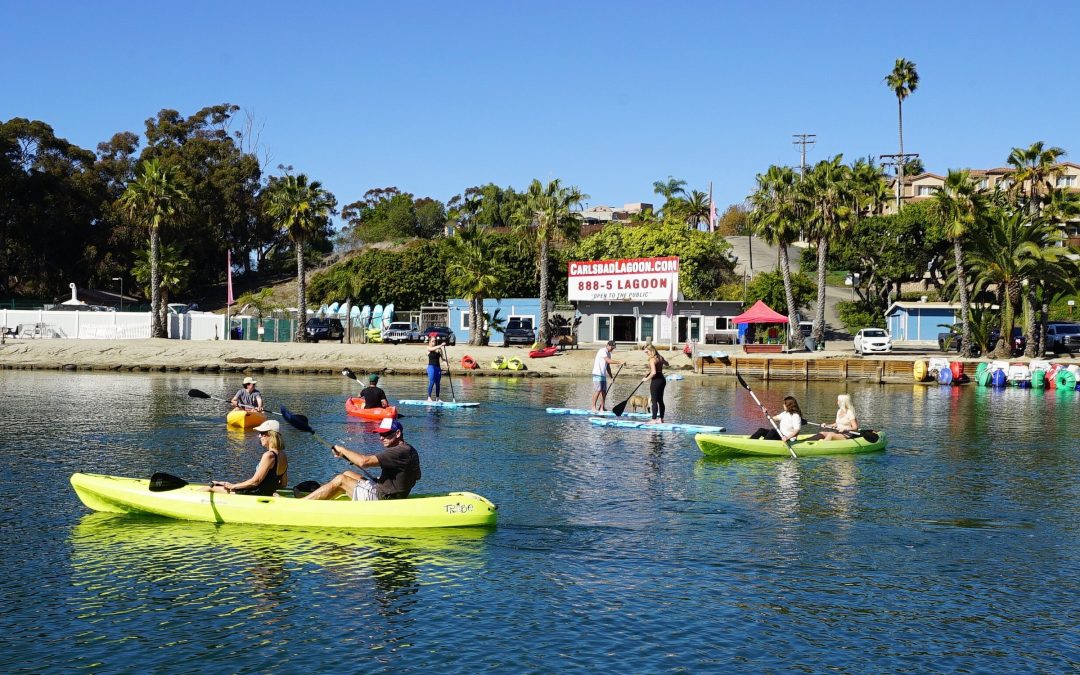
<point>873,340</point>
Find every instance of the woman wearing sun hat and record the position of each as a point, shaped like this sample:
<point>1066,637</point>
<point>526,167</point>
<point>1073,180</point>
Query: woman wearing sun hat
<point>273,470</point>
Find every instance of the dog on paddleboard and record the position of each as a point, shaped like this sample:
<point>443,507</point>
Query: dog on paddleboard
<point>642,403</point>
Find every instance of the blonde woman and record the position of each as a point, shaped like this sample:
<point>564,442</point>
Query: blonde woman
<point>273,470</point>
<point>845,421</point>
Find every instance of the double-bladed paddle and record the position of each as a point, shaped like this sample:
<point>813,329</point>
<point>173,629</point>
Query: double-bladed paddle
<point>163,482</point>
<point>300,423</point>
<point>868,434</point>
<point>766,413</point>
<point>195,393</point>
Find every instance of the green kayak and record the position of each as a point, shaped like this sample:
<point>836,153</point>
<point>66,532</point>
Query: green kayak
<point>728,445</point>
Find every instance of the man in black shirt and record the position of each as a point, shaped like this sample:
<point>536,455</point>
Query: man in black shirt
<point>398,460</point>
<point>373,396</point>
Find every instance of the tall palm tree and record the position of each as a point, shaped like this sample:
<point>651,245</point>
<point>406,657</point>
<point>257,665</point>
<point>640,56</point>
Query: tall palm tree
<point>775,218</point>
<point>696,208</point>
<point>959,207</point>
<point>903,81</point>
<point>172,273</point>
<point>828,191</point>
<point>156,198</point>
<point>301,209</point>
<point>1035,166</point>
<point>672,191</point>
<point>476,273</point>
<point>546,212</point>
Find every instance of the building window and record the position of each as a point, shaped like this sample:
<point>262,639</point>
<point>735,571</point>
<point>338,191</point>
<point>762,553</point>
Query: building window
<point>647,330</point>
<point>723,322</point>
<point>1066,181</point>
<point>926,190</point>
<point>603,328</point>
<point>984,183</point>
<point>465,320</point>
<point>1004,184</point>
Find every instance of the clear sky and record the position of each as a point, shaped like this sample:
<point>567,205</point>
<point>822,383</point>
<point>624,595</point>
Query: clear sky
<point>434,97</point>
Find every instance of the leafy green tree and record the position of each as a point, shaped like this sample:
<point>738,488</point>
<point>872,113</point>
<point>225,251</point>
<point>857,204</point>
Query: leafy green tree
<point>476,273</point>
<point>547,213</point>
<point>696,208</point>
<point>828,191</point>
<point>903,81</point>
<point>733,221</point>
<point>773,289</point>
<point>959,208</point>
<point>488,204</point>
<point>173,275</point>
<point>1035,168</point>
<point>155,198</point>
<point>302,210</point>
<point>672,190</point>
<point>778,210</point>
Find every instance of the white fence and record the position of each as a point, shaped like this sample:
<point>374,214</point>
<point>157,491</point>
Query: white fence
<point>36,323</point>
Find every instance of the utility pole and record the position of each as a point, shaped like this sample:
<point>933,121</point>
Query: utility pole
<point>803,140</point>
<point>898,161</point>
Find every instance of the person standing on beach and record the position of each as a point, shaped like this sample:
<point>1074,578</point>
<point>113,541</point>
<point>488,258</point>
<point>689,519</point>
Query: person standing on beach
<point>601,371</point>
<point>435,352</point>
<point>248,397</point>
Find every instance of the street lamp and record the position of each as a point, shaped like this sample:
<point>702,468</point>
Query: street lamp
<point>121,280</point>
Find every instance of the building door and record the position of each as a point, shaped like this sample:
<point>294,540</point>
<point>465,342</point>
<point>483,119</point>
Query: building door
<point>689,329</point>
<point>624,328</point>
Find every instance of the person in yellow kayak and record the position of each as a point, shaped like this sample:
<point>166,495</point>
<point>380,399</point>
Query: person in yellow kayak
<point>248,397</point>
<point>399,461</point>
<point>373,396</point>
<point>271,474</point>
<point>845,422</point>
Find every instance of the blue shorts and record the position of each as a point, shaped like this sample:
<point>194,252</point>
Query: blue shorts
<point>599,383</point>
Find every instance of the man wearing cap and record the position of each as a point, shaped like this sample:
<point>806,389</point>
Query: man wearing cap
<point>373,396</point>
<point>398,460</point>
<point>601,370</point>
<point>248,397</point>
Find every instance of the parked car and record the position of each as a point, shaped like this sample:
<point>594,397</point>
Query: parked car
<point>1062,336</point>
<point>401,331</point>
<point>519,331</point>
<point>442,334</point>
<point>950,341</point>
<point>325,329</point>
<point>874,340</point>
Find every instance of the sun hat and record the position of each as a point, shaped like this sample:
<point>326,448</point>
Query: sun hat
<point>388,426</point>
<point>269,425</point>
<point>374,377</point>
<point>250,380</point>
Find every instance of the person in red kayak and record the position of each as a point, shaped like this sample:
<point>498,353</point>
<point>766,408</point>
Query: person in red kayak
<point>399,461</point>
<point>373,396</point>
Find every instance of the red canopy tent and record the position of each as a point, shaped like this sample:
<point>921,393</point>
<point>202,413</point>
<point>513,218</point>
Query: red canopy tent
<point>760,313</point>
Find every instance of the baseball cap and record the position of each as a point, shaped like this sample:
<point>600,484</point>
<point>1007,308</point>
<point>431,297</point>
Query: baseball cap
<point>250,380</point>
<point>388,426</point>
<point>269,425</point>
<point>374,377</point>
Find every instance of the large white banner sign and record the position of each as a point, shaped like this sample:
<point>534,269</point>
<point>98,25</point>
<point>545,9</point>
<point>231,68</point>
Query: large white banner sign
<point>632,279</point>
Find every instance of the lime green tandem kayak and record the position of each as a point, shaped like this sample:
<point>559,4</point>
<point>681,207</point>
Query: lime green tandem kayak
<point>192,502</point>
<point>726,445</point>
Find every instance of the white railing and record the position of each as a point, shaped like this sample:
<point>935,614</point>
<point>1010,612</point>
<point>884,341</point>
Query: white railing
<point>39,323</point>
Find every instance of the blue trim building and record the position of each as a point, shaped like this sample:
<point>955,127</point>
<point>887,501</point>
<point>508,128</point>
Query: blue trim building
<point>919,321</point>
<point>458,311</point>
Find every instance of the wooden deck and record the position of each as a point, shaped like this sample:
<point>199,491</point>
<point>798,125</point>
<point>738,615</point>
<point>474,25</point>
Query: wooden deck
<point>868,370</point>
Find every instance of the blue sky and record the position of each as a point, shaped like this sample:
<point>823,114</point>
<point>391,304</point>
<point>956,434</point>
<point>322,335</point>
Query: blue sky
<point>434,97</point>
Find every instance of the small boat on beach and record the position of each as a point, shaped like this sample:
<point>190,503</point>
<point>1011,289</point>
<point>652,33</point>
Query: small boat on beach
<point>730,445</point>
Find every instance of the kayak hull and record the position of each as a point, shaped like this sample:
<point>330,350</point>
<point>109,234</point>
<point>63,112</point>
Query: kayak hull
<point>244,419</point>
<point>649,426</point>
<point>543,353</point>
<point>729,445</point>
<point>438,404</point>
<point>353,407</point>
<point>132,495</point>
<point>593,413</point>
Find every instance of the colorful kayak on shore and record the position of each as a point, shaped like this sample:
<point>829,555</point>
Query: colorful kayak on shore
<point>132,495</point>
<point>437,404</point>
<point>728,445</point>
<point>593,413</point>
<point>659,426</point>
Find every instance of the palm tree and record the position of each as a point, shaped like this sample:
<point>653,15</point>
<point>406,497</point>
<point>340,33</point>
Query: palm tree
<point>696,208</point>
<point>155,197</point>
<point>476,272</point>
<point>301,209</point>
<point>544,214</point>
<point>670,190</point>
<point>870,189</point>
<point>777,210</point>
<point>172,273</point>
<point>1035,167</point>
<point>903,80</point>
<point>959,207</point>
<point>828,191</point>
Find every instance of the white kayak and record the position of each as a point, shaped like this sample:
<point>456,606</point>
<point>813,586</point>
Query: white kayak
<point>437,404</point>
<point>664,426</point>
<point>593,413</point>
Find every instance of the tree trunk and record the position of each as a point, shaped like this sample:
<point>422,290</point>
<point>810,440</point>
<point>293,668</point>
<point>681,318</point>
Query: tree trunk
<point>476,321</point>
<point>965,309</point>
<point>1044,317</point>
<point>789,296</point>
<point>301,293</point>
<point>542,329</point>
<point>819,319</point>
<point>156,329</point>
<point>900,160</point>
<point>1004,348</point>
<point>1031,328</point>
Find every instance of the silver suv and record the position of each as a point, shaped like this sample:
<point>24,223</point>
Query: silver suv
<point>401,331</point>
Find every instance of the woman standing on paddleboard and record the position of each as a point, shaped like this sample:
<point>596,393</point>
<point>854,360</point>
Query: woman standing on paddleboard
<point>434,366</point>
<point>657,384</point>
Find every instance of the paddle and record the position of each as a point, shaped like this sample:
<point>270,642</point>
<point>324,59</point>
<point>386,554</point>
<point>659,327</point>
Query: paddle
<point>766,413</point>
<point>868,434</point>
<point>300,423</point>
<point>618,409</point>
<point>163,482</point>
<point>448,375</point>
<point>195,393</point>
<point>347,372</point>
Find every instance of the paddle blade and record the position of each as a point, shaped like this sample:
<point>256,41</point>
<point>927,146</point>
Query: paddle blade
<point>297,421</point>
<point>195,393</point>
<point>162,482</point>
<point>869,435</point>
<point>742,382</point>
<point>620,408</point>
<point>348,373</point>
<point>307,487</point>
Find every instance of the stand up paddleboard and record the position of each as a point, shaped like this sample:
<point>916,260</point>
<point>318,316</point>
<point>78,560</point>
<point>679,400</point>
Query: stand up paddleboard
<point>593,413</point>
<point>666,426</point>
<point>437,404</point>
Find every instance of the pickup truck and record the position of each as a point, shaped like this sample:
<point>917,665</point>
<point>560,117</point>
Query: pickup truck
<point>1062,336</point>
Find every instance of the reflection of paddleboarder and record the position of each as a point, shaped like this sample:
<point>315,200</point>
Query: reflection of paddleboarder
<point>601,371</point>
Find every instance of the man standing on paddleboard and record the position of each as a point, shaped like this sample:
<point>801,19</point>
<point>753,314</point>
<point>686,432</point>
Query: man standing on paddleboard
<point>601,371</point>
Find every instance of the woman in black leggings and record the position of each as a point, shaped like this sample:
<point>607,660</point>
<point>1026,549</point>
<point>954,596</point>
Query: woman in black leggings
<point>657,383</point>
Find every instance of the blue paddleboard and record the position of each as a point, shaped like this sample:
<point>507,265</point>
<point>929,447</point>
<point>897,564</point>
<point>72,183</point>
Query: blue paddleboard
<point>437,404</point>
<point>666,426</point>
<point>606,413</point>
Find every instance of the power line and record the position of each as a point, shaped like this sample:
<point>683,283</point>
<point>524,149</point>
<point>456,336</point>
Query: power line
<point>803,140</point>
<point>898,161</point>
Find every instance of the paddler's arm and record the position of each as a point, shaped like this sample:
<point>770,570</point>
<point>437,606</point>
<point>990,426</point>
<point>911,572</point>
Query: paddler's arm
<point>260,473</point>
<point>355,458</point>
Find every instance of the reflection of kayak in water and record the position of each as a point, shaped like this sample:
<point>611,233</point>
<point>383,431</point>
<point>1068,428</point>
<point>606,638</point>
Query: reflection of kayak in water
<point>191,502</point>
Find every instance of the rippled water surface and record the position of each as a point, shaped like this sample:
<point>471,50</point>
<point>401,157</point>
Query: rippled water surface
<point>616,550</point>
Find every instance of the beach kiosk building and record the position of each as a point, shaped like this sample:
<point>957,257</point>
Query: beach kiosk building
<point>459,310</point>
<point>915,322</point>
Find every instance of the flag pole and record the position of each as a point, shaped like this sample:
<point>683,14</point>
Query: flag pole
<point>228,296</point>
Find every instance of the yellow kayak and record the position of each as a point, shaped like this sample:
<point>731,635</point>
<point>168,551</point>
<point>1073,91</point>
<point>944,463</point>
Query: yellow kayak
<point>244,419</point>
<point>191,502</point>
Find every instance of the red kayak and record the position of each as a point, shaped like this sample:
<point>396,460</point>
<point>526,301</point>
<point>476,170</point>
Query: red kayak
<point>352,406</point>
<point>541,353</point>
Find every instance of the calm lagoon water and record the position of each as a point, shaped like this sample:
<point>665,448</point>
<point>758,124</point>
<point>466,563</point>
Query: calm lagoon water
<point>617,550</point>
